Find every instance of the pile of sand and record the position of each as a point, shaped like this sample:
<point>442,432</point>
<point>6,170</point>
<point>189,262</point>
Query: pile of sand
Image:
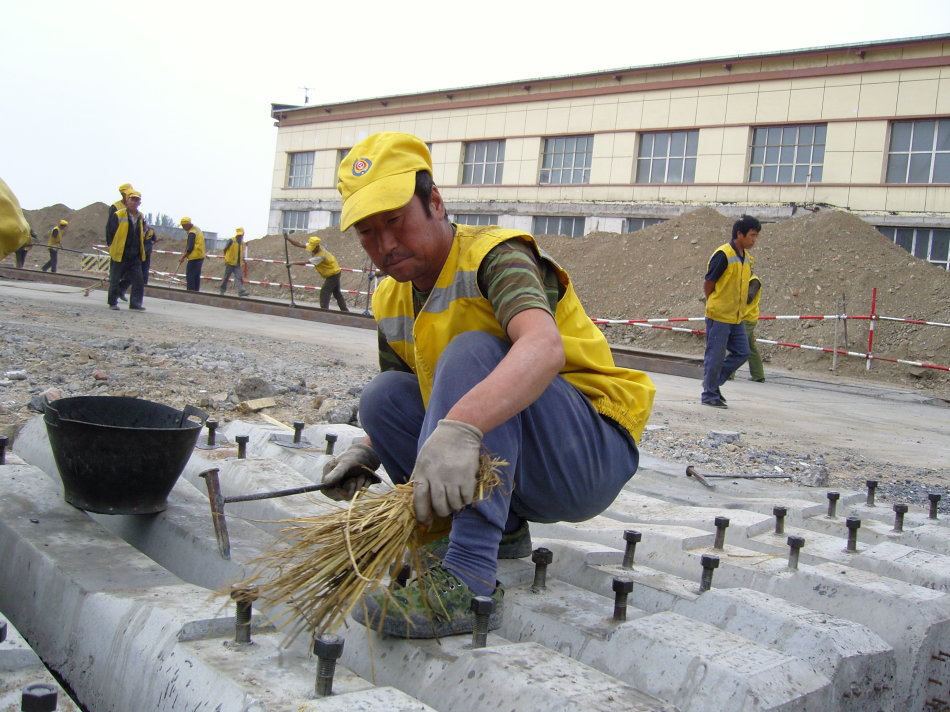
<point>809,265</point>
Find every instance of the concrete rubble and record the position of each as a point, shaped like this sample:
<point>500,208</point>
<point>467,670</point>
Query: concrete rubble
<point>128,610</point>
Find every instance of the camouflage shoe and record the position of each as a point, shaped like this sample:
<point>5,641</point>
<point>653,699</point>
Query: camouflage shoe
<point>432,606</point>
<point>512,546</point>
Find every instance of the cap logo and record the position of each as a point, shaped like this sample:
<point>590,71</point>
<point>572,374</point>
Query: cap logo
<point>360,166</point>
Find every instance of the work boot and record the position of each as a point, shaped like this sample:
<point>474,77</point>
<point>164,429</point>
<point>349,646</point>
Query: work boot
<point>114,307</point>
<point>432,606</point>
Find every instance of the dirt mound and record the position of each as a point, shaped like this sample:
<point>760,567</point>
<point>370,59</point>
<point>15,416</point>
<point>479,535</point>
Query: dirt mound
<point>86,227</point>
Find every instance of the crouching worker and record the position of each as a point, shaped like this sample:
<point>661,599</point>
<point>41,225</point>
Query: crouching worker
<point>484,345</point>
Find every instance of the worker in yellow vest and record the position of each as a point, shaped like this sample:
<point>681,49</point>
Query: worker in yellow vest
<point>125,236</point>
<point>194,253</point>
<point>327,267</point>
<point>485,347</point>
<point>234,263</point>
<point>726,288</point>
<point>54,242</point>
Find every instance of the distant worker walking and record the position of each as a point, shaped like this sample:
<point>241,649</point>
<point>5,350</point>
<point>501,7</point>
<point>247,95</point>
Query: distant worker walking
<point>234,263</point>
<point>726,288</point>
<point>195,254</point>
<point>327,267</point>
<point>125,236</point>
<point>750,318</point>
<point>54,242</point>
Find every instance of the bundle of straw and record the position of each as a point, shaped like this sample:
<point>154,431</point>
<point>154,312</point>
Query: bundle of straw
<point>321,566</point>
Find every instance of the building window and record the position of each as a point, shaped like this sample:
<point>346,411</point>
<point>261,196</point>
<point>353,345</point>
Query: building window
<point>300,169</point>
<point>787,154</point>
<point>919,152</point>
<point>295,220</point>
<point>566,160</point>
<point>667,157</point>
<point>335,218</point>
<point>475,219</point>
<point>483,163</point>
<point>928,244</point>
<point>634,224</point>
<point>555,225</point>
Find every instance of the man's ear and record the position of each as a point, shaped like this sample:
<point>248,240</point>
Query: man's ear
<point>436,205</point>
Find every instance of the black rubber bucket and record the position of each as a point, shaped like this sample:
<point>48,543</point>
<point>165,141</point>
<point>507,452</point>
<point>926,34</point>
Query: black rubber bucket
<point>120,455</point>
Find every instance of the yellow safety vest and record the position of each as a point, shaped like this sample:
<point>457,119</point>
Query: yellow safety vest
<point>55,237</point>
<point>751,312</point>
<point>456,305</point>
<point>198,251</point>
<point>117,248</point>
<point>329,266</point>
<point>234,253</point>
<point>14,229</point>
<point>729,299</point>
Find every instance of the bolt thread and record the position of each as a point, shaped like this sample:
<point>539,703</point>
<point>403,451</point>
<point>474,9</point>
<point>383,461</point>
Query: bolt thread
<point>628,554</point>
<point>934,501</point>
<point>720,538</point>
<point>326,668</point>
<point>242,622</point>
<point>852,540</point>
<point>620,607</point>
<point>540,577</point>
<point>705,583</point>
<point>480,631</point>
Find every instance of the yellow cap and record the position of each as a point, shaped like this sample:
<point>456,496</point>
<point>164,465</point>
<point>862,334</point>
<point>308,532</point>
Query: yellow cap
<point>63,223</point>
<point>133,194</point>
<point>240,231</point>
<point>313,243</point>
<point>184,221</point>
<point>379,174</point>
<point>124,187</point>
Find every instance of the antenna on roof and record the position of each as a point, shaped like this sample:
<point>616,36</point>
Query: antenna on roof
<point>306,94</point>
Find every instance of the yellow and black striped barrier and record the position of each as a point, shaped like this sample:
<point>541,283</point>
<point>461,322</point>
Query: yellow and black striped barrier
<point>95,263</point>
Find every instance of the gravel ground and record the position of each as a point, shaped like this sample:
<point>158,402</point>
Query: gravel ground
<point>81,348</point>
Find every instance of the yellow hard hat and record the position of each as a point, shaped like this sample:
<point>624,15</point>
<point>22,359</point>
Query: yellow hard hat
<point>124,187</point>
<point>379,174</point>
<point>313,243</point>
<point>184,221</point>
<point>240,231</point>
<point>63,223</point>
<point>133,194</point>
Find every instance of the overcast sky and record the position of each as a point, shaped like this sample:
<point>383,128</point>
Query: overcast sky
<point>174,96</point>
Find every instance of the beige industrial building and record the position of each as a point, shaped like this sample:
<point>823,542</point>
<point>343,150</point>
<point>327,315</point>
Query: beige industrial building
<point>861,127</point>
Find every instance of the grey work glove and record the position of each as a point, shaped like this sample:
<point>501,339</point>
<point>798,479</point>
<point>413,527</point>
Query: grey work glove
<point>350,472</point>
<point>446,470</point>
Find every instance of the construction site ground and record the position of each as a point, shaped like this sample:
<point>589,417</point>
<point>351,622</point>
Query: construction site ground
<point>819,428</point>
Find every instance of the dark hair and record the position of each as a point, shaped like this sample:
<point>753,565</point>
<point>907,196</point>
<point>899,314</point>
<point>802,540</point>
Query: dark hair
<point>424,185</point>
<point>744,224</point>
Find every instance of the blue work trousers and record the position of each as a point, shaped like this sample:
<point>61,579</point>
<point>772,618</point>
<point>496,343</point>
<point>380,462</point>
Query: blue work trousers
<point>717,365</point>
<point>567,462</point>
<point>193,275</point>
